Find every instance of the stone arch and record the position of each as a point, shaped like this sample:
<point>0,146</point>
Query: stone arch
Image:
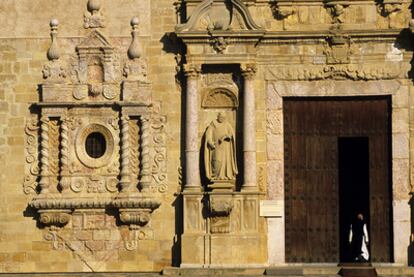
<point>220,97</point>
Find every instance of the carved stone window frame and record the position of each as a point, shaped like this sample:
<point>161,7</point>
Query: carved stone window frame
<point>80,145</point>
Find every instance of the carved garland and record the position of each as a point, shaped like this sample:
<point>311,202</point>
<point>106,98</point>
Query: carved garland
<point>338,72</point>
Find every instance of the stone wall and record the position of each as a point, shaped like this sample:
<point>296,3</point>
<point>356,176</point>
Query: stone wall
<point>274,49</point>
<point>91,241</point>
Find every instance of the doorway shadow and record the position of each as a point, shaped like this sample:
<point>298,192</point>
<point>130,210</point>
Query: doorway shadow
<point>353,167</point>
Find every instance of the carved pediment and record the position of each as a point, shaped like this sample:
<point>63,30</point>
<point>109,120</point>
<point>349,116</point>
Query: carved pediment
<point>213,15</point>
<point>95,40</point>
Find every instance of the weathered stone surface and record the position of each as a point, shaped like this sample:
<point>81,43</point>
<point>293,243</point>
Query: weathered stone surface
<point>121,212</point>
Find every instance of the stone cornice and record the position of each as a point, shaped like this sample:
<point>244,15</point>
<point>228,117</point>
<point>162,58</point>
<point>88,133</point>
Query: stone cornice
<point>265,37</point>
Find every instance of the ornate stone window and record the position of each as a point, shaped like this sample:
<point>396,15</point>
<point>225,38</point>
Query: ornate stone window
<point>95,141</point>
<point>95,145</point>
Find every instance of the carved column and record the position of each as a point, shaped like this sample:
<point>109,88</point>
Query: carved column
<point>145,180</point>
<point>192,153</point>
<point>64,152</point>
<point>249,129</point>
<point>44,154</point>
<point>125,182</point>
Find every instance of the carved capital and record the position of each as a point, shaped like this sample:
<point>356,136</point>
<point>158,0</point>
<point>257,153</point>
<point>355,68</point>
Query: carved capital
<point>135,211</point>
<point>56,218</point>
<point>135,218</point>
<point>248,71</point>
<point>192,70</point>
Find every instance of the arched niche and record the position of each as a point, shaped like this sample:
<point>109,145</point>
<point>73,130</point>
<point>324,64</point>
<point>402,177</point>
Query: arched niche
<point>220,98</point>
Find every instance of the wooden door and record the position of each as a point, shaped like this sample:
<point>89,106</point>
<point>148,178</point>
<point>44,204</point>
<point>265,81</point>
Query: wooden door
<point>312,127</point>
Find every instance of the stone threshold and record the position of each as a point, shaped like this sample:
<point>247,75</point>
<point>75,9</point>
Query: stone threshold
<point>311,270</point>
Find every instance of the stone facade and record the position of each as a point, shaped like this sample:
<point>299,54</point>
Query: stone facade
<point>143,80</point>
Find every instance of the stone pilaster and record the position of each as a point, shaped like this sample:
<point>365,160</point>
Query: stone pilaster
<point>249,129</point>
<point>44,155</point>
<point>126,185</point>
<point>145,179</point>
<point>192,153</point>
<point>64,182</point>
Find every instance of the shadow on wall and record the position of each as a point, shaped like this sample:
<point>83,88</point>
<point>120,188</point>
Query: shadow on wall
<point>176,248</point>
<point>410,249</point>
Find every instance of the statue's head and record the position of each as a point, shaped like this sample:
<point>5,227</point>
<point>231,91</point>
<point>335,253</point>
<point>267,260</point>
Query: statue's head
<point>221,117</point>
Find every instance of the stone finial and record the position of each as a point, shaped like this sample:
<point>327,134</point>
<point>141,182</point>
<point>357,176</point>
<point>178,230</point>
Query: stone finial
<point>134,50</point>
<point>94,18</point>
<point>53,52</point>
<point>94,6</point>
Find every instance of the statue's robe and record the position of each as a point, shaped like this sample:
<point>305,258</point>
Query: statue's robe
<point>220,162</point>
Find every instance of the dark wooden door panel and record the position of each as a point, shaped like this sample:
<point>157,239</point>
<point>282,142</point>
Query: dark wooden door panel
<point>311,129</point>
<point>311,190</point>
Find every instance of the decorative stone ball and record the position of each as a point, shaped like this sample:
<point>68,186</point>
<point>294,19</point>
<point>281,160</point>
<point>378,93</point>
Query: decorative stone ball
<point>54,22</point>
<point>94,5</point>
<point>134,21</point>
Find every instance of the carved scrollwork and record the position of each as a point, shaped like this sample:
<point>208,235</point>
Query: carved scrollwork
<point>94,184</point>
<point>135,218</point>
<point>77,185</point>
<point>53,237</point>
<point>231,14</point>
<point>114,122</point>
<point>135,235</point>
<point>159,166</point>
<point>32,164</point>
<point>112,184</point>
<point>56,218</point>
<point>74,122</point>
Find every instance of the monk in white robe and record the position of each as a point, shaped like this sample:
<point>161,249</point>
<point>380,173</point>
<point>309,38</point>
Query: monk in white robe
<point>220,150</point>
<point>358,239</point>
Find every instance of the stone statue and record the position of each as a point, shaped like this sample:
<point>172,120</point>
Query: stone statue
<point>220,150</point>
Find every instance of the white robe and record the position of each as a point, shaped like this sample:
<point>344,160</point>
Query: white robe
<point>365,240</point>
